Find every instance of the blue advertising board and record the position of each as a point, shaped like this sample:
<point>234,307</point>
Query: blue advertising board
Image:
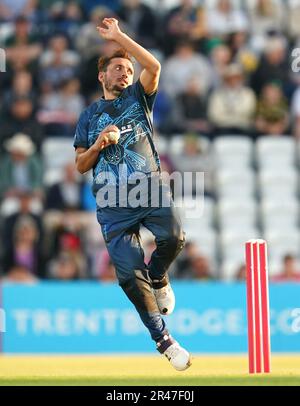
<point>98,318</point>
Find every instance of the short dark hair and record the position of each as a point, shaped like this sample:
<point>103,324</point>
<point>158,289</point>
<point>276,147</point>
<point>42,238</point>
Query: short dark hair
<point>104,61</point>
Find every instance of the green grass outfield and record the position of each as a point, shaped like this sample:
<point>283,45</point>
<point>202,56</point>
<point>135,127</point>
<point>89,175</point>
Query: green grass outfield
<point>142,370</point>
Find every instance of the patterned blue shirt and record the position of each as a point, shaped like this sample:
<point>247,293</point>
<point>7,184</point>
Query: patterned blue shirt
<point>131,112</point>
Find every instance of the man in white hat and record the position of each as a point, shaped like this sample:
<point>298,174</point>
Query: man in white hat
<point>20,169</point>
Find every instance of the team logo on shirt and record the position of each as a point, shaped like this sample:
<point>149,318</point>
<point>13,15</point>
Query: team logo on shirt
<point>121,153</point>
<point>133,128</point>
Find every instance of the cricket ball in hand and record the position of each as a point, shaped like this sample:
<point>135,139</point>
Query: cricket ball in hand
<point>114,136</point>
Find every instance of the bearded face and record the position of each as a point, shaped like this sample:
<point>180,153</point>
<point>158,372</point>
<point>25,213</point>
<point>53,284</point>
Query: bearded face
<point>118,76</point>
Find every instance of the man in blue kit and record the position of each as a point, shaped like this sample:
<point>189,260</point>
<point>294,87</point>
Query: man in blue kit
<point>114,136</point>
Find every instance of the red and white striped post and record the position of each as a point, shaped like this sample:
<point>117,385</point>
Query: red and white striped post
<point>259,347</point>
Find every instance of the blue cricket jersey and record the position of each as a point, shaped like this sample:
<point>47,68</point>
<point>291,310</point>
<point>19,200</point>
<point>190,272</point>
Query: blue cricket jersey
<point>131,112</point>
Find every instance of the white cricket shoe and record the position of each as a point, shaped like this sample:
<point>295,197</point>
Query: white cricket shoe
<point>178,357</point>
<point>165,299</point>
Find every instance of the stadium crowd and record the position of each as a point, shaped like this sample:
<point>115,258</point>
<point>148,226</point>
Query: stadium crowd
<point>226,69</point>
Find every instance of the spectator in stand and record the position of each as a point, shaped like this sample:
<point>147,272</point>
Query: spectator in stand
<point>266,16</point>
<point>192,265</point>
<point>290,271</point>
<point>9,10</point>
<point>60,109</point>
<point>9,223</point>
<point>272,116</point>
<point>90,45</point>
<point>21,170</point>
<point>179,25</point>
<point>21,118</point>
<point>64,17</point>
<point>225,19</point>
<point>66,235</point>
<point>141,19</point>
<point>184,65</point>
<point>293,16</point>
<point>22,44</point>
<point>67,194</point>
<point>70,247</point>
<point>88,40</point>
<point>89,5</point>
<point>241,51</point>
<point>273,66</point>
<point>201,269</point>
<point>232,106</point>
<point>25,250</point>
<point>65,268</point>
<point>58,63</point>
<point>22,87</point>
<point>220,58</point>
<point>183,263</point>
<point>190,110</point>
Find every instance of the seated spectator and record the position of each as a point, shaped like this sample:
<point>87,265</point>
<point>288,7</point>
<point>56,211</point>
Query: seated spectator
<point>241,51</point>
<point>21,170</point>
<point>89,5</point>
<point>25,250</point>
<point>220,57</point>
<point>88,40</point>
<point>273,66</point>
<point>9,10</point>
<point>19,274</point>
<point>187,21</point>
<point>91,45</point>
<point>67,194</point>
<point>64,16</point>
<point>58,63</point>
<point>191,264</point>
<point>60,109</point>
<point>266,16</point>
<point>184,65</point>
<point>22,88</point>
<point>65,268</point>
<point>272,111</point>
<point>141,20</point>
<point>190,110</point>
<point>184,261</point>
<point>201,269</point>
<point>66,235</point>
<point>21,119</point>
<point>22,45</point>
<point>9,223</point>
<point>293,16</point>
<point>199,32</point>
<point>290,271</point>
<point>232,106</point>
<point>225,19</point>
